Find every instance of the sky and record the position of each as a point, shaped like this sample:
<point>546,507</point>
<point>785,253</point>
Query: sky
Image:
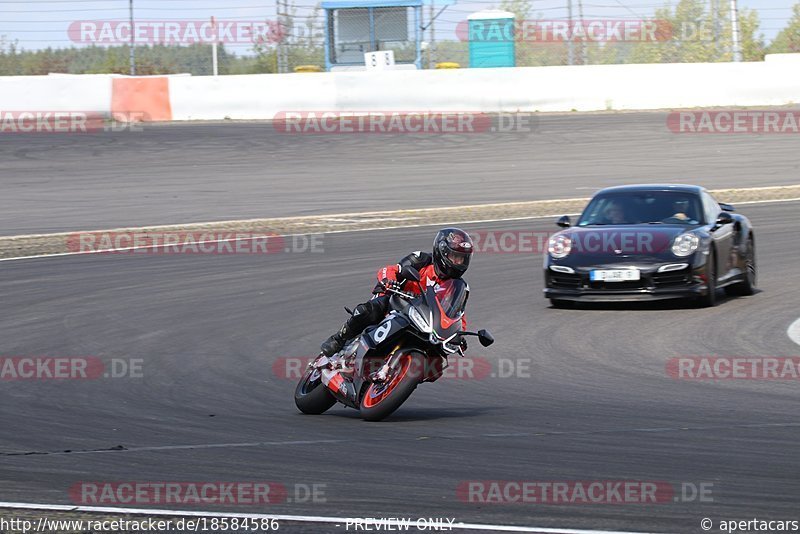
<point>36,24</point>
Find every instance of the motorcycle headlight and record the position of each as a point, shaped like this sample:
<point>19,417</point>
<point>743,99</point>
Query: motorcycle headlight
<point>685,244</point>
<point>559,246</point>
<point>418,320</point>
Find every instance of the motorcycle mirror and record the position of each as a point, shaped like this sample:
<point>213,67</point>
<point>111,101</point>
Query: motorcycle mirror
<point>410,273</point>
<point>485,338</point>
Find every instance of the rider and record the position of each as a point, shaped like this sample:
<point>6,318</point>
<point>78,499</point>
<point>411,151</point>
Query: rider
<point>452,250</point>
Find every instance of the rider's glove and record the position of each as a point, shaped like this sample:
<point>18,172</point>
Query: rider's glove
<point>388,283</point>
<point>463,344</point>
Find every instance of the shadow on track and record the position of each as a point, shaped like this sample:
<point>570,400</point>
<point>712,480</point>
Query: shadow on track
<point>723,299</point>
<point>423,414</point>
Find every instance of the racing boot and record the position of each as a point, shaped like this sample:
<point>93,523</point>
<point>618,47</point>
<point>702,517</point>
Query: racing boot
<point>334,344</point>
<point>350,329</point>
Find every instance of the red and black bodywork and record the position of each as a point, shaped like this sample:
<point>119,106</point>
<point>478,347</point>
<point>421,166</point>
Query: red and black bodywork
<point>379,369</point>
<point>645,252</point>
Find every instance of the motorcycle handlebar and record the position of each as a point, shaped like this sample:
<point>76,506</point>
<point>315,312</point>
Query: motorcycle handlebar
<point>399,293</point>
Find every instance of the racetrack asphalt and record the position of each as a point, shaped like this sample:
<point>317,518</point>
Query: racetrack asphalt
<point>597,403</point>
<point>197,172</point>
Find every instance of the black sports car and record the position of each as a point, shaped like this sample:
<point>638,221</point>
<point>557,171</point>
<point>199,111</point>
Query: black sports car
<point>645,242</point>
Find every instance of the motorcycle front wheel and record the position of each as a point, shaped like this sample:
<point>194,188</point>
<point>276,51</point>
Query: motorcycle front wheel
<point>381,400</point>
<point>312,396</point>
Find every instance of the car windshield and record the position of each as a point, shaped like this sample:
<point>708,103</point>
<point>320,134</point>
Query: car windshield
<point>452,296</point>
<point>643,207</point>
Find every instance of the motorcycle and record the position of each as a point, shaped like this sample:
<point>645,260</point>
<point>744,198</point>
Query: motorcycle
<point>378,370</point>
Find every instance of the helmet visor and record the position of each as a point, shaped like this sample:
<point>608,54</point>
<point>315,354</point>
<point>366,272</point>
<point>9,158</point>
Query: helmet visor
<point>456,258</point>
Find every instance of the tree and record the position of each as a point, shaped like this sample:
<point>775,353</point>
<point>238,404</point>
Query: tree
<point>753,47</point>
<point>304,42</point>
<point>156,59</point>
<point>520,8</point>
<point>788,40</point>
<point>693,34</point>
<point>531,53</point>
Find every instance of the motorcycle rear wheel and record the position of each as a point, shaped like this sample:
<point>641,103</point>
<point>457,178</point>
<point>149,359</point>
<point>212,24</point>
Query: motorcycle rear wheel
<point>381,400</point>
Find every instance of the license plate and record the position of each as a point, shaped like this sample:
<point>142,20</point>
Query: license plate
<point>615,275</point>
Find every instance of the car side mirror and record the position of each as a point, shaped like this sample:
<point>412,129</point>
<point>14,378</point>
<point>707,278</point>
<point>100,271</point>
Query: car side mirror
<point>723,218</point>
<point>485,338</point>
<point>726,207</point>
<point>409,273</point>
<point>564,222</point>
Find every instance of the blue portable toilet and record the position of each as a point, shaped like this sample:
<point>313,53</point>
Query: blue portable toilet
<point>491,39</point>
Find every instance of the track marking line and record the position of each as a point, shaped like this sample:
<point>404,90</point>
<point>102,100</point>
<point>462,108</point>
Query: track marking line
<point>323,232</point>
<point>794,331</point>
<point>297,518</point>
<point>352,220</point>
<point>235,239</point>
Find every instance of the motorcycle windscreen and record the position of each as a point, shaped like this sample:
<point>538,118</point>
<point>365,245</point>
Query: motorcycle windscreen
<point>452,296</point>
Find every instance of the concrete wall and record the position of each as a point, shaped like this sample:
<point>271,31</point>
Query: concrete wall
<point>774,82</point>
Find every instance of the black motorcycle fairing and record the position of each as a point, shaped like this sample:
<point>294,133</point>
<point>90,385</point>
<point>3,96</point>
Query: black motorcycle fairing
<point>385,331</point>
<point>387,360</point>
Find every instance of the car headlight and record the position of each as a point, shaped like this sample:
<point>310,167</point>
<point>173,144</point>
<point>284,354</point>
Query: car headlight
<point>559,246</point>
<point>418,320</point>
<point>685,244</point>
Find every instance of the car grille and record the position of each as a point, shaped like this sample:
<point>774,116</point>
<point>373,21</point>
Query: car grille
<point>672,278</point>
<point>565,280</point>
<point>632,284</point>
<point>648,281</point>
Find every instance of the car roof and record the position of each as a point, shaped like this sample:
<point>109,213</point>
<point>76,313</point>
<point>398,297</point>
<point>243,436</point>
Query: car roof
<point>683,188</point>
